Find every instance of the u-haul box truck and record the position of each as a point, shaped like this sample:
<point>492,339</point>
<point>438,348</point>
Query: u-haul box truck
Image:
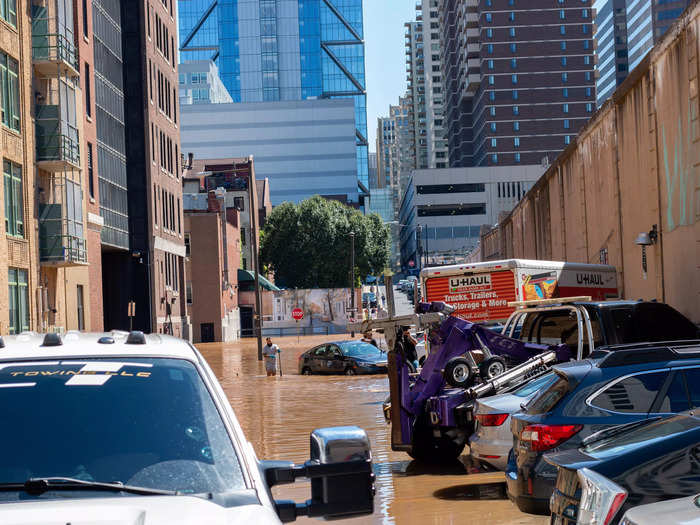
<point>481,291</point>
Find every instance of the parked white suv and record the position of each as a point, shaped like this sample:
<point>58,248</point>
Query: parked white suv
<point>126,428</point>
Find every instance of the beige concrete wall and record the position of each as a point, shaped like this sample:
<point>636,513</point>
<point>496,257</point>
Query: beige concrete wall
<point>635,165</point>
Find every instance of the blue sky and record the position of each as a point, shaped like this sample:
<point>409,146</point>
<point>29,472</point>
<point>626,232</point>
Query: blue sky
<point>385,62</point>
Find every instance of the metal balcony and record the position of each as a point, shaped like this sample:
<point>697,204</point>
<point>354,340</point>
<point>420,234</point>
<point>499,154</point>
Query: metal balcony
<point>57,141</point>
<point>61,231</point>
<point>53,50</point>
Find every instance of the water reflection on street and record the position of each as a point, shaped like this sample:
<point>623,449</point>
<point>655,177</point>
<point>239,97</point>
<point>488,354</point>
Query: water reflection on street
<point>277,415</point>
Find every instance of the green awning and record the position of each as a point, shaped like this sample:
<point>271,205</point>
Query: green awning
<point>246,276</point>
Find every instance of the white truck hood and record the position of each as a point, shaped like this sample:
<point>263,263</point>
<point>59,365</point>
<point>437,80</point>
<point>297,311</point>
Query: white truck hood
<point>136,510</point>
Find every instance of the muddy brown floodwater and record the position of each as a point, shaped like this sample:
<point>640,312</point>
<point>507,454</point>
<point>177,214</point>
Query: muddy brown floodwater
<point>277,415</point>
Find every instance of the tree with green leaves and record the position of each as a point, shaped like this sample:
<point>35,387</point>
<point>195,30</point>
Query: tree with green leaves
<point>307,245</point>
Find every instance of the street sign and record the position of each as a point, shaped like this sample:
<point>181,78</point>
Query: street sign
<point>411,263</point>
<point>298,314</point>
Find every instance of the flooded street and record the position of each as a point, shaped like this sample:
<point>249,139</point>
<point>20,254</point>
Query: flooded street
<point>277,415</point>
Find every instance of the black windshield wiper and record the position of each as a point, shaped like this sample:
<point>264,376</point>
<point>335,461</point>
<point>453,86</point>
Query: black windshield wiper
<point>37,486</point>
<point>617,429</point>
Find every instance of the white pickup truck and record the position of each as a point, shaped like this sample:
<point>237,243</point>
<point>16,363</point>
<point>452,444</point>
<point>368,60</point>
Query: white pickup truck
<point>120,428</point>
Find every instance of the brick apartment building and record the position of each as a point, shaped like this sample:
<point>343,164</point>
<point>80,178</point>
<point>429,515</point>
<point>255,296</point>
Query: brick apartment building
<point>518,76</point>
<point>213,248</point>
<point>233,175</point>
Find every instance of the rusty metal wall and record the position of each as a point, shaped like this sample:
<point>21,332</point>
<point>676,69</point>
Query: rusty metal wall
<point>635,165</point>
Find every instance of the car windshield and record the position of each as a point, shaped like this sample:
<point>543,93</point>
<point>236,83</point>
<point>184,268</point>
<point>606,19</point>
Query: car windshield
<point>655,430</point>
<point>535,385</point>
<point>359,349</point>
<point>146,422</point>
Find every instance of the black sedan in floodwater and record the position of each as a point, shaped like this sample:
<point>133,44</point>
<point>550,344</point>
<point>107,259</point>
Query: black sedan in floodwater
<point>343,357</point>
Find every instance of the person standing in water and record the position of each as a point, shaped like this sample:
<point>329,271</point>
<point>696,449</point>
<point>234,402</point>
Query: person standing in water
<point>270,354</point>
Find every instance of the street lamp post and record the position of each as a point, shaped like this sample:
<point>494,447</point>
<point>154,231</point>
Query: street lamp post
<point>352,277</point>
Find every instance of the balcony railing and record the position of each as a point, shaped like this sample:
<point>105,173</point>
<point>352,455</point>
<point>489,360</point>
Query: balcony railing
<point>53,48</point>
<point>61,231</point>
<point>57,141</point>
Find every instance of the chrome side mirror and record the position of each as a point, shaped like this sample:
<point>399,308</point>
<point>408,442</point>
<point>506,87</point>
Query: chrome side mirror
<point>340,470</point>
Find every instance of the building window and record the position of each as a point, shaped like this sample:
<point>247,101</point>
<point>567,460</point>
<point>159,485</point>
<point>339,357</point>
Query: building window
<point>516,125</point>
<point>567,139</point>
<point>188,291</point>
<point>516,142</point>
<point>565,77</point>
<point>492,96</point>
<point>494,142</point>
<point>491,80</point>
<point>9,86</point>
<point>90,171</point>
<point>18,301</point>
<point>587,60</point>
<point>562,14</point>
<point>489,33</point>
<point>512,32</point>
<point>589,107</point>
<point>489,49</point>
<point>589,92</point>
<point>562,30</point>
<point>239,203</point>
<point>513,47</point>
<point>243,237</point>
<point>88,91</point>
<point>511,16</point>
<point>565,108</point>
<point>516,110</point>
<point>80,307</point>
<point>489,18</point>
<point>514,79</point>
<point>492,109</point>
<point>188,246</point>
<point>494,158</point>
<point>493,126</point>
<point>515,94</point>
<point>565,92</point>
<point>85,19</point>
<point>584,29</point>
<point>567,124</point>
<point>517,157</point>
<point>563,45</point>
<point>8,11</point>
<point>563,61</point>
<point>586,44</point>
<point>490,64</point>
<point>588,76</point>
<point>14,208</point>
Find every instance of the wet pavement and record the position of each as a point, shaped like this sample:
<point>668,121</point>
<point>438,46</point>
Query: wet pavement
<point>277,415</point>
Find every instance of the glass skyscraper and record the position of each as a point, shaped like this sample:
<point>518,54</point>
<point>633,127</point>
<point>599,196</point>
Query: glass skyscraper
<point>268,50</point>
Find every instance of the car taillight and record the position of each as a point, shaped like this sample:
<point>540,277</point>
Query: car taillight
<point>601,499</point>
<point>491,420</point>
<point>545,437</point>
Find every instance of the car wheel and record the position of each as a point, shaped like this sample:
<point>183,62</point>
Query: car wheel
<point>458,372</point>
<point>430,449</point>
<point>492,367</point>
<point>306,371</point>
<point>349,372</point>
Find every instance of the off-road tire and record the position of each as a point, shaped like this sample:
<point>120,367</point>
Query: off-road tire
<point>458,373</point>
<point>492,367</point>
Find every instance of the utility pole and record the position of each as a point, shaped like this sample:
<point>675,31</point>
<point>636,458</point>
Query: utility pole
<point>352,278</point>
<point>253,211</point>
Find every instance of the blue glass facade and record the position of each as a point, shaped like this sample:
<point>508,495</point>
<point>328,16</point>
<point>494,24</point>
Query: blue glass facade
<point>269,50</point>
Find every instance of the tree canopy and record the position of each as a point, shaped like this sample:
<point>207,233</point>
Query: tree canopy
<point>307,245</point>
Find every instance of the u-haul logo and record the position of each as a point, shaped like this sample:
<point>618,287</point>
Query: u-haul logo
<point>470,282</point>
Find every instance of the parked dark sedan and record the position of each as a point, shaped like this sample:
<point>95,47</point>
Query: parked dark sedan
<point>343,357</point>
<point>621,386</point>
<point>646,462</point>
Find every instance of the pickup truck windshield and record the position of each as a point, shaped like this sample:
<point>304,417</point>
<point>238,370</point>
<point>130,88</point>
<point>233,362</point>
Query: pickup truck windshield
<point>146,422</point>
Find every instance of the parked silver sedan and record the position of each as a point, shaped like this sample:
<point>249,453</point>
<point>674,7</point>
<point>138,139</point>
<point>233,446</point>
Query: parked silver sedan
<point>680,511</point>
<point>492,438</point>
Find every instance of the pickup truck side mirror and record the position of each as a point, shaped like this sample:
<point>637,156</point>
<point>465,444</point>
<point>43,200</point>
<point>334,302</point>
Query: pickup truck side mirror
<point>340,470</point>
